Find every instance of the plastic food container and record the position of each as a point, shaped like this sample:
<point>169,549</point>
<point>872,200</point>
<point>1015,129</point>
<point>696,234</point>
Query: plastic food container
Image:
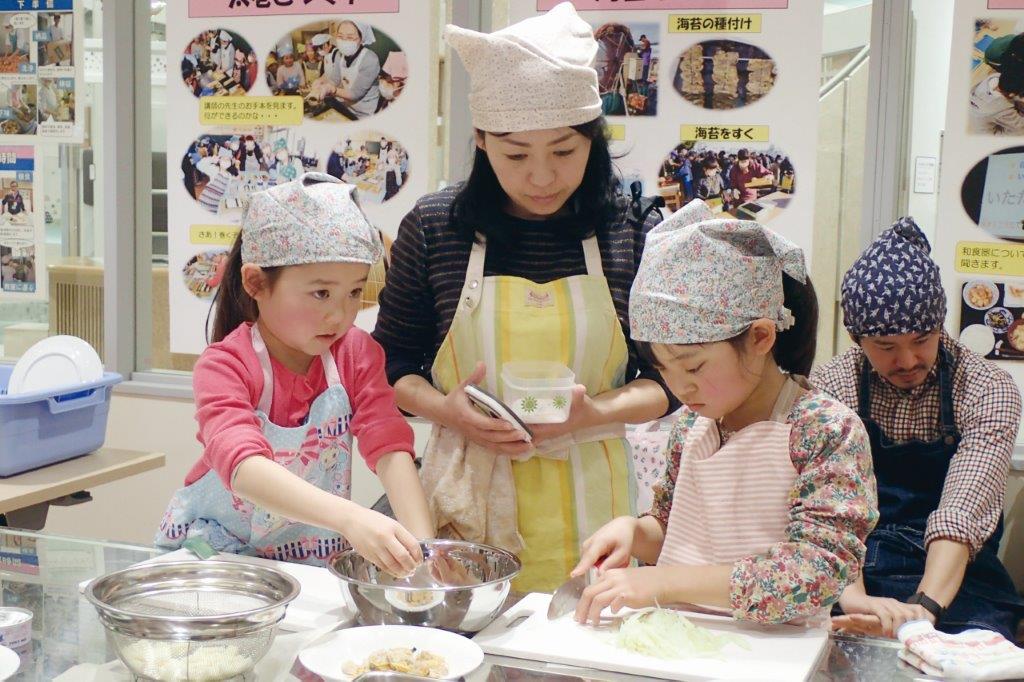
<point>46,427</point>
<point>538,392</point>
<point>15,627</point>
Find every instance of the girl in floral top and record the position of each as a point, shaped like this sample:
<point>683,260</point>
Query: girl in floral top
<point>769,493</point>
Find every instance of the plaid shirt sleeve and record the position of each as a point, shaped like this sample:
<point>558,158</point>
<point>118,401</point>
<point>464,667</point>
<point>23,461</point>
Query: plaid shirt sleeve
<point>839,378</point>
<point>987,409</point>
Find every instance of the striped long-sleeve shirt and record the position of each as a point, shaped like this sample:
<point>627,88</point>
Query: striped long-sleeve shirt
<point>428,269</point>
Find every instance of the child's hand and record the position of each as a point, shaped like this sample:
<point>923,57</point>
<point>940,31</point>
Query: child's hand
<point>620,588</point>
<point>383,541</point>
<point>494,434</point>
<point>610,547</point>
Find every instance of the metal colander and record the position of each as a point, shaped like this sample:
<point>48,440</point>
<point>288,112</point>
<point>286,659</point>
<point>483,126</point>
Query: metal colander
<point>192,620</point>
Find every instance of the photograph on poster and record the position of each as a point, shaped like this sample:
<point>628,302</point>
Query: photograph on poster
<point>992,318</point>
<point>54,39</point>
<point>724,74</point>
<point>203,271</point>
<point>56,100</point>
<point>376,164</point>
<point>744,182</point>
<point>992,193</point>
<point>15,40</point>
<point>344,70</point>
<point>221,169</point>
<point>18,106</point>
<point>997,78</point>
<point>17,235</point>
<point>219,62</point>
<point>627,67</point>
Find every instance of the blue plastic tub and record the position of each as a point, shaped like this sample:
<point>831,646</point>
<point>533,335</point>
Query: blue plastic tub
<point>37,429</point>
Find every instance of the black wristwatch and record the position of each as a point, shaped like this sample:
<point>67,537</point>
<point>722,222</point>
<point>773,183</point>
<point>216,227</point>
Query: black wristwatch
<point>930,605</point>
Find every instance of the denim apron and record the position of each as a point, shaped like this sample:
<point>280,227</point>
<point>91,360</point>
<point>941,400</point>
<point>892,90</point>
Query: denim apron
<point>319,452</point>
<point>910,479</point>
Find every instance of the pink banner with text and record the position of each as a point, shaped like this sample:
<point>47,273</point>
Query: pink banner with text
<point>611,5</point>
<point>260,8</point>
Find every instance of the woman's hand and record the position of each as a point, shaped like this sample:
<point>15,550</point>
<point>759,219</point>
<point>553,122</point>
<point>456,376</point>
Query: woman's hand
<point>582,415</point>
<point>459,414</point>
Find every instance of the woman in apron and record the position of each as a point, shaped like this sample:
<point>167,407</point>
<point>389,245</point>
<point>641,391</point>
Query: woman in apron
<point>530,259</point>
<point>769,495</point>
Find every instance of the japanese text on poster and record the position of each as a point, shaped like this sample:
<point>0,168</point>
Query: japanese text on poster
<point>256,8</point>
<point>41,70</point>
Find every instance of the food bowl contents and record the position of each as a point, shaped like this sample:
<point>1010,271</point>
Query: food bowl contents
<point>414,600</point>
<point>1016,335</point>
<point>980,295</point>
<point>999,319</point>
<point>181,661</point>
<point>407,660</point>
<point>978,338</point>
<point>663,633</point>
<point>538,392</point>
<point>1015,290</point>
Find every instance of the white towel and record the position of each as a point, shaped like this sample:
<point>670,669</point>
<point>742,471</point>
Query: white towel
<point>970,655</point>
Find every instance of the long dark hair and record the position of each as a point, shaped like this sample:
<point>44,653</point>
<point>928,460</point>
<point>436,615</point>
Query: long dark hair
<point>232,305</point>
<point>794,348</point>
<point>596,203</point>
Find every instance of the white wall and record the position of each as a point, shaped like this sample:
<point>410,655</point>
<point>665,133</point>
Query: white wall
<point>934,30</point>
<point>846,29</point>
<point>130,510</point>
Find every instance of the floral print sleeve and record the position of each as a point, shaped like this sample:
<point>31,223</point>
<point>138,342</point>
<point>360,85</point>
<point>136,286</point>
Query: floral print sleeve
<point>833,507</point>
<point>663,491</point>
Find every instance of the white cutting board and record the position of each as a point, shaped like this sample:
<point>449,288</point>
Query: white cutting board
<point>778,652</point>
<point>319,604</point>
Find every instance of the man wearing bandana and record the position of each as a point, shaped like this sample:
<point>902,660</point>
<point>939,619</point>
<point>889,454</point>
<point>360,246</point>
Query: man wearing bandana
<point>942,422</point>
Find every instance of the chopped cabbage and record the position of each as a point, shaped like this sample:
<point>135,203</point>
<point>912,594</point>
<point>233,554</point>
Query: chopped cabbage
<point>664,633</point>
<point>178,661</point>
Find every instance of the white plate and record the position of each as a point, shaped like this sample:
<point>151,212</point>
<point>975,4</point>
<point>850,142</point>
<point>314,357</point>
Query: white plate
<point>55,362</point>
<point>329,656</point>
<point>9,663</point>
<point>1011,299</point>
<point>979,338</point>
<point>993,293</point>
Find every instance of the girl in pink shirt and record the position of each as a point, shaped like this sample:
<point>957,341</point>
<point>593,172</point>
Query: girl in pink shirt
<point>286,385</point>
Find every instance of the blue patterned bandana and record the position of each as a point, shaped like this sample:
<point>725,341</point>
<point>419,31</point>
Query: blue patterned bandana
<point>894,287</point>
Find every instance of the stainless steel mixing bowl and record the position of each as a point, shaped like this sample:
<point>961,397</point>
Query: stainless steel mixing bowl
<point>192,620</point>
<point>468,585</point>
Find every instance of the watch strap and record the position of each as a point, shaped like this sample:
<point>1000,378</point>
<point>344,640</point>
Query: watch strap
<point>930,605</point>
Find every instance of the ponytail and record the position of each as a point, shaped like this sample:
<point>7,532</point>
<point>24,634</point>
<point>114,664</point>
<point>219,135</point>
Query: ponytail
<point>232,306</point>
<point>794,348</point>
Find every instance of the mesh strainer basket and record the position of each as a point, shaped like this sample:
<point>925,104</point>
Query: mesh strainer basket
<point>192,620</point>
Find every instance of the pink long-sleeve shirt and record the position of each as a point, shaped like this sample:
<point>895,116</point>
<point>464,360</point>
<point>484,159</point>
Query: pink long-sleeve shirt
<point>228,381</point>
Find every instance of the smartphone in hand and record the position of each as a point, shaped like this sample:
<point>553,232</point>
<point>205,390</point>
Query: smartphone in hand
<point>490,405</point>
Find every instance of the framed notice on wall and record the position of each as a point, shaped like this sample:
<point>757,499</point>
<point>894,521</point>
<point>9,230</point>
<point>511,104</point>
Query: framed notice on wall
<point>41,71</point>
<point>260,93</point>
<point>711,99</point>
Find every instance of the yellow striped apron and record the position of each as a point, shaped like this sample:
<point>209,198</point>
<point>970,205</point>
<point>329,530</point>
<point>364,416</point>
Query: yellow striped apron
<point>572,487</point>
